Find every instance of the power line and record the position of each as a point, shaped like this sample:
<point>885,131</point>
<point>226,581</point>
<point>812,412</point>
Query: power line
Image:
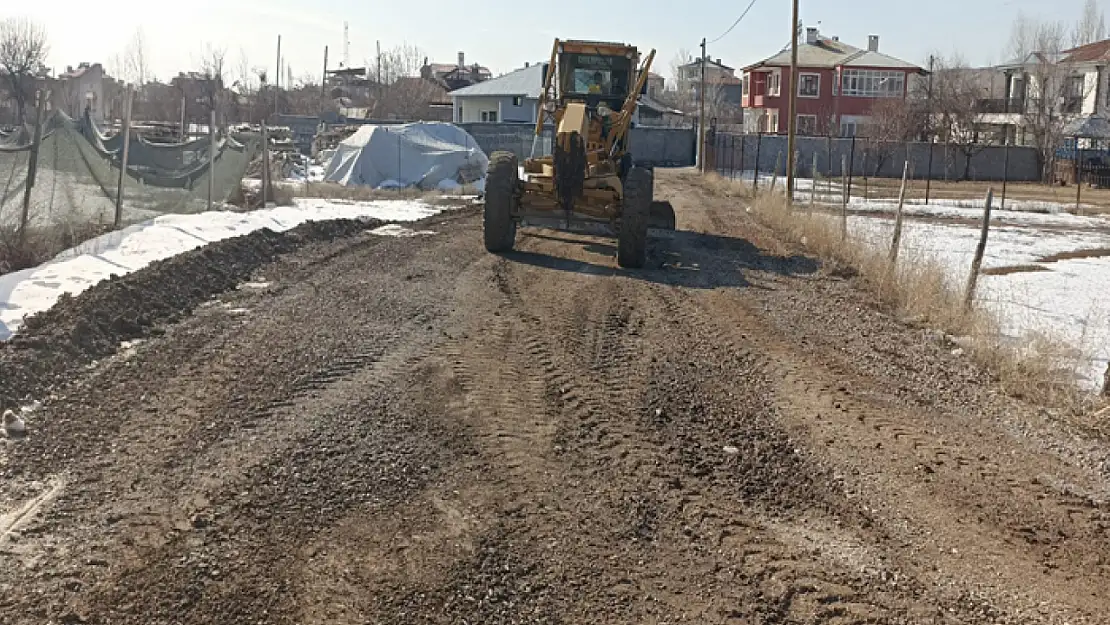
<point>750,5</point>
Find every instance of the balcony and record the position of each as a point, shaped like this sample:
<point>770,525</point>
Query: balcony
<point>1002,105</point>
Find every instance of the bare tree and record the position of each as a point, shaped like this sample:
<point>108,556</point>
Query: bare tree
<point>211,82</point>
<point>893,122</point>
<point>135,68</point>
<point>1053,92</point>
<point>1091,26</point>
<point>23,50</point>
<point>401,92</point>
<point>956,106</point>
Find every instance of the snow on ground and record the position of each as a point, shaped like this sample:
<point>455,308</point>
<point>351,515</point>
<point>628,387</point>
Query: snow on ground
<point>1067,301</point>
<point>34,290</point>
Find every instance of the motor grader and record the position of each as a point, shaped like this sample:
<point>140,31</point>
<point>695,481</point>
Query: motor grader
<point>590,175</point>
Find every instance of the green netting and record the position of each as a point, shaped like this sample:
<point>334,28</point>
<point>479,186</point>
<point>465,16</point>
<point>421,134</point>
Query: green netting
<point>78,171</point>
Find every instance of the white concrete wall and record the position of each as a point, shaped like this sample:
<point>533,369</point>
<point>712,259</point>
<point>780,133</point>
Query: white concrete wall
<point>473,106</point>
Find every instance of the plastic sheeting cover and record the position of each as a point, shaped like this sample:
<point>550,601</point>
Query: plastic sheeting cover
<point>421,154</point>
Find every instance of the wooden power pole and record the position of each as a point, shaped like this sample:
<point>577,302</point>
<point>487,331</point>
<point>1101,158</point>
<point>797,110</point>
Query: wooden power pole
<point>792,123</point>
<point>701,112</point>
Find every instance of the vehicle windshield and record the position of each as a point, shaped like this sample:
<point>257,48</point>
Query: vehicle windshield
<point>595,74</point>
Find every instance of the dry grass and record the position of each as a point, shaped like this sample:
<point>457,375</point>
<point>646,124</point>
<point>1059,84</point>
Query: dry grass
<point>1041,369</point>
<point>42,243</point>
<point>1097,252</point>
<point>1012,269</point>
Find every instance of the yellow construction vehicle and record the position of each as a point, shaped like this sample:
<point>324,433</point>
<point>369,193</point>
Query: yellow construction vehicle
<point>590,175</point>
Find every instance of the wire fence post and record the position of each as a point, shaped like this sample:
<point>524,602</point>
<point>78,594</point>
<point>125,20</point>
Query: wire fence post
<point>1078,176</point>
<point>775,173</point>
<point>743,142</point>
<point>844,177</point>
<point>211,156</point>
<point>755,178</point>
<point>866,153</point>
<point>977,263</point>
<point>1005,174</point>
<point>32,165</point>
<point>897,240</point>
<point>851,165</point>
<point>123,157</point>
<point>929,171</point>
<point>267,192</point>
<point>813,181</point>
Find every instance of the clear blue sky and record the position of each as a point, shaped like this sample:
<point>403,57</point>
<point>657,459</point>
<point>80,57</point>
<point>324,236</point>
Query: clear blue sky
<point>503,34</point>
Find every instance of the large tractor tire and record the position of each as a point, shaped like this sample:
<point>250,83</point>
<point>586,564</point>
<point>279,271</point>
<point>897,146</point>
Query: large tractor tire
<point>632,238</point>
<point>502,180</point>
<point>661,215</point>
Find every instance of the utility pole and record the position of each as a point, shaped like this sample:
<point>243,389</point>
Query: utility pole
<point>123,156</point>
<point>929,101</point>
<point>701,112</point>
<point>277,77</point>
<point>792,123</point>
<point>324,80</point>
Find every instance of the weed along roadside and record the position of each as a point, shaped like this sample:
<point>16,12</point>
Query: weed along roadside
<point>924,290</point>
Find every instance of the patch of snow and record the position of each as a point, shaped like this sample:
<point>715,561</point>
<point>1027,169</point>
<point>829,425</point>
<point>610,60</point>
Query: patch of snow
<point>34,290</point>
<point>448,185</point>
<point>395,230</point>
<point>1068,301</point>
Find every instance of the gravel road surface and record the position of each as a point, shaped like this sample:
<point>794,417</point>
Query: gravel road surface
<point>411,430</point>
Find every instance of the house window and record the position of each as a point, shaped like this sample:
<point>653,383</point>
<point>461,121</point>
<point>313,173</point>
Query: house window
<point>489,116</point>
<point>744,85</point>
<point>807,124</point>
<point>848,129</point>
<point>867,83</point>
<point>773,121</point>
<point>1074,86</point>
<point>809,85</point>
<point>518,100</point>
<point>773,82</point>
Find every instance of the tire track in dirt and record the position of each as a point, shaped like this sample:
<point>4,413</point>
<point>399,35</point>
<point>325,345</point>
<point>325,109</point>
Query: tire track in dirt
<point>837,397</point>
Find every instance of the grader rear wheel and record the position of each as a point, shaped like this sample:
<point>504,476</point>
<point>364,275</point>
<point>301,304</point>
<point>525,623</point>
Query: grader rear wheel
<point>502,179</point>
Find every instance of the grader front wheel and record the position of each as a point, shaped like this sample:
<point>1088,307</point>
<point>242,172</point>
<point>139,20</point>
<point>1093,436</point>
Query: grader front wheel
<point>632,238</point>
<point>502,179</point>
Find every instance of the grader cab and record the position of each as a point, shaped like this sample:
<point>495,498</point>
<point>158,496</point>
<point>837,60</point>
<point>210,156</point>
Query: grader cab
<point>590,174</point>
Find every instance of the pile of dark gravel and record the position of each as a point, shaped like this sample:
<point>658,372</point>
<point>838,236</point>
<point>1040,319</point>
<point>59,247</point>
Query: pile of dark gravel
<point>53,344</point>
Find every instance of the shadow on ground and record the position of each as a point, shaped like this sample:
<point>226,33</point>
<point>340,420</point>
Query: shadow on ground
<point>679,258</point>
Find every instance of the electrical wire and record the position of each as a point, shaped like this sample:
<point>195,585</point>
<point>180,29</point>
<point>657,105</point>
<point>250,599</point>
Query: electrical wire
<point>750,5</point>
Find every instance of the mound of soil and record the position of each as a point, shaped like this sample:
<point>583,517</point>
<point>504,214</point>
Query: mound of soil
<point>78,330</point>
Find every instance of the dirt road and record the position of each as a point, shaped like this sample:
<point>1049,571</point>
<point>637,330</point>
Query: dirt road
<point>411,430</point>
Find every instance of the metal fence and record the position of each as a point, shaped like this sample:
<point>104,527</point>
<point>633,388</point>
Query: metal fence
<point>871,169</point>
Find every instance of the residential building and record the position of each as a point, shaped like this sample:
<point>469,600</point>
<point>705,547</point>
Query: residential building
<point>838,84</point>
<point>515,97</point>
<point>87,86</point>
<point>720,80</point>
<point>455,76</point>
<point>1045,88</point>
<point>350,82</point>
<point>655,85</point>
<point>413,98</point>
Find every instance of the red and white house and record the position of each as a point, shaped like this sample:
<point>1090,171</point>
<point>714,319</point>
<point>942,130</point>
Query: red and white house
<point>838,85</point>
